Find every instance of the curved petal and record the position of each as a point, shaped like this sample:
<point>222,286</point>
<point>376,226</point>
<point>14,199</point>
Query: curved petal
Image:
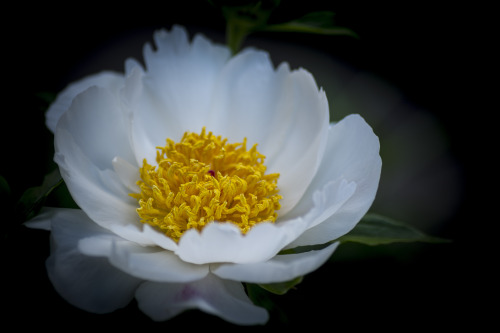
<point>144,262</point>
<point>316,207</point>
<point>300,155</point>
<point>98,125</point>
<point>85,158</point>
<point>279,269</point>
<point>159,238</point>
<point>86,184</point>
<point>352,156</point>
<point>246,97</point>
<point>127,173</point>
<point>107,79</point>
<point>42,220</point>
<point>281,110</point>
<point>177,88</point>
<point>225,299</point>
<point>89,283</point>
<point>224,242</point>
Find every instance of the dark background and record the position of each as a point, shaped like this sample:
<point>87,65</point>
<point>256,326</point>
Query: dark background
<point>430,52</point>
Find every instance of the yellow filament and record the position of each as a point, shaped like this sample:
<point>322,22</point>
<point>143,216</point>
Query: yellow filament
<point>203,179</point>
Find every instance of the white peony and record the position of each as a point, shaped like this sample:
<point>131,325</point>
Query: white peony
<point>184,235</point>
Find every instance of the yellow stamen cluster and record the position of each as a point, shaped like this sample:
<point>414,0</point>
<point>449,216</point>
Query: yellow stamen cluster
<point>203,179</point>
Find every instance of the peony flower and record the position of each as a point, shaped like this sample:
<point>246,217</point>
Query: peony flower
<point>193,173</point>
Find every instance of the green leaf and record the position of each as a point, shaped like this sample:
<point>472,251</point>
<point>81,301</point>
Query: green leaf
<point>315,23</point>
<point>45,98</point>
<point>281,288</point>
<point>265,295</point>
<point>374,229</point>
<point>245,17</point>
<point>4,188</point>
<point>305,248</point>
<point>258,295</point>
<point>261,297</point>
<point>33,198</point>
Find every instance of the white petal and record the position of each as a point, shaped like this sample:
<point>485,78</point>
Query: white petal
<point>127,173</point>
<point>302,151</point>
<point>224,242</point>
<point>102,205</point>
<point>111,181</point>
<point>246,98</point>
<point>159,238</point>
<point>42,219</point>
<point>282,111</point>
<point>279,269</point>
<point>132,64</point>
<point>85,158</point>
<point>148,120</point>
<point>177,87</point>
<point>323,203</point>
<point>225,299</point>
<point>63,101</point>
<point>353,156</point>
<point>144,262</point>
<point>98,126</point>
<point>89,283</point>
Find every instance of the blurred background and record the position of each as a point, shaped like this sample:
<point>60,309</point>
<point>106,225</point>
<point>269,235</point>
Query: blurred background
<point>404,74</point>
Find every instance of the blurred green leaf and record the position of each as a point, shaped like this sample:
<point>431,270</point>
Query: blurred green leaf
<point>46,96</point>
<point>261,297</point>
<point>33,198</point>
<point>374,229</point>
<point>4,188</point>
<point>45,99</point>
<point>281,288</point>
<point>245,17</point>
<point>305,248</point>
<point>264,295</point>
<point>315,23</point>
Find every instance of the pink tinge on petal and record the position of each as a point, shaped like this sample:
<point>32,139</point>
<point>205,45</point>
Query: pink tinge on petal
<point>187,293</point>
<point>223,298</point>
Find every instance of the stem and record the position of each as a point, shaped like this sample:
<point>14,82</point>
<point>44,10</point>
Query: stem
<point>236,32</point>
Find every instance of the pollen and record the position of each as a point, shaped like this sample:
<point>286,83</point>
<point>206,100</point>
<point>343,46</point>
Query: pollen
<point>203,179</point>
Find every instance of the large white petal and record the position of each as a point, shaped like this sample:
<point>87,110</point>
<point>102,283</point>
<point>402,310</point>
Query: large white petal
<point>317,206</point>
<point>352,156</point>
<point>224,242</point>
<point>223,298</point>
<point>245,100</point>
<point>98,125</point>
<point>282,111</point>
<point>89,136</point>
<point>145,262</point>
<point>111,210</point>
<point>89,283</point>
<point>92,190</point>
<point>107,79</point>
<point>279,269</point>
<point>300,153</point>
<point>177,88</point>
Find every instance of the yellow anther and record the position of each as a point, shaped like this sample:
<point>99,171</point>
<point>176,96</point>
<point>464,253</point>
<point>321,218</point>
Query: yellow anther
<point>203,179</point>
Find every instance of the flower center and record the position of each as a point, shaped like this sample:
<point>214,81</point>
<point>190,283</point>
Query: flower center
<point>203,179</point>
